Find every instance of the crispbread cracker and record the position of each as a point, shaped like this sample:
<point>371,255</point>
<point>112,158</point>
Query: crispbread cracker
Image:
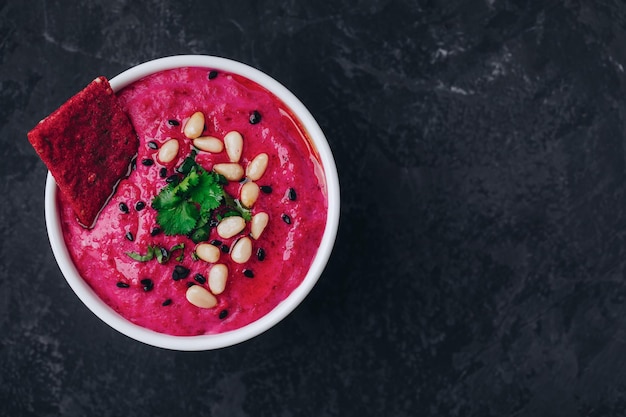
<point>88,145</point>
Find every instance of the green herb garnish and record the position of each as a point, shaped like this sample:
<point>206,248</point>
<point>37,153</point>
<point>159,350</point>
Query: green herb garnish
<point>235,208</point>
<point>142,258</point>
<point>181,248</point>
<point>179,207</point>
<point>162,254</point>
<point>187,207</point>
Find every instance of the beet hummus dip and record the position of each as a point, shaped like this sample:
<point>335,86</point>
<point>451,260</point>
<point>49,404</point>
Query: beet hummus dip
<point>145,274</point>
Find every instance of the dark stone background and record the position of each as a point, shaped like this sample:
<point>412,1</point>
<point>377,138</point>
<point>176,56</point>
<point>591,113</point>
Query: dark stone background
<point>480,263</point>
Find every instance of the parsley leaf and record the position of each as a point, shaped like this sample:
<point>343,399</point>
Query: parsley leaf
<point>188,183</point>
<point>208,193</point>
<point>181,248</point>
<point>235,208</point>
<point>162,255</point>
<point>189,206</point>
<point>142,258</point>
<point>166,199</point>
<point>179,220</point>
<point>188,163</point>
<point>200,234</point>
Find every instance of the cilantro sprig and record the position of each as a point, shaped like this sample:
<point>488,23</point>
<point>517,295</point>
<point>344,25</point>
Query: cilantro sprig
<point>189,206</point>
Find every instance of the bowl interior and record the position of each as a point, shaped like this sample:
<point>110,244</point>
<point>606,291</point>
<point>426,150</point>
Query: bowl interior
<point>214,341</point>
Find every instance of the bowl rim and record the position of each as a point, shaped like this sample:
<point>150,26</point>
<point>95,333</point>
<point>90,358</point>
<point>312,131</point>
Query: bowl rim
<point>285,307</point>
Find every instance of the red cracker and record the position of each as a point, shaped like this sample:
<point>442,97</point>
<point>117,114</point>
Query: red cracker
<point>87,144</point>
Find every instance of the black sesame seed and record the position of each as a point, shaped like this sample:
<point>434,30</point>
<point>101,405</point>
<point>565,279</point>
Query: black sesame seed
<point>266,189</point>
<point>167,302</point>
<point>155,231</point>
<point>122,285</point>
<point>129,236</point>
<point>248,273</point>
<point>140,205</point>
<point>213,223</point>
<point>200,278</point>
<point>225,248</point>
<point>173,122</point>
<point>212,75</point>
<point>292,194</point>
<point>123,208</point>
<point>223,314</point>
<point>180,272</point>
<point>286,218</point>
<point>172,179</point>
<point>260,254</point>
<point>147,283</point>
<point>163,172</point>
<point>147,162</point>
<point>153,145</point>
<point>190,284</point>
<point>255,117</point>
<point>216,242</point>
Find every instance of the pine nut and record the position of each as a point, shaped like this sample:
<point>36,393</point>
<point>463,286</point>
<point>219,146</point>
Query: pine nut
<point>258,224</point>
<point>200,297</point>
<point>242,250</point>
<point>217,278</point>
<point>256,168</point>
<point>233,141</point>
<point>207,252</point>
<point>230,226</point>
<point>249,194</point>
<point>232,171</point>
<point>209,144</point>
<point>194,126</point>
<point>168,151</point>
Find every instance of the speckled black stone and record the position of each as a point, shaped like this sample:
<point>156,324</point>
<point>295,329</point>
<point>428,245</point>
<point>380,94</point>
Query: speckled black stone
<point>480,265</point>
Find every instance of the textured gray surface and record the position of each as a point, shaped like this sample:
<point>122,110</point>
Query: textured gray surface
<point>479,267</point>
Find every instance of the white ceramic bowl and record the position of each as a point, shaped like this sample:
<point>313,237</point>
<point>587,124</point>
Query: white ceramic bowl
<point>205,342</point>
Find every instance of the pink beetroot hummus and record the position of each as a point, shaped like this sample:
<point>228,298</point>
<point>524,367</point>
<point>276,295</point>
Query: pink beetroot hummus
<point>294,197</point>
